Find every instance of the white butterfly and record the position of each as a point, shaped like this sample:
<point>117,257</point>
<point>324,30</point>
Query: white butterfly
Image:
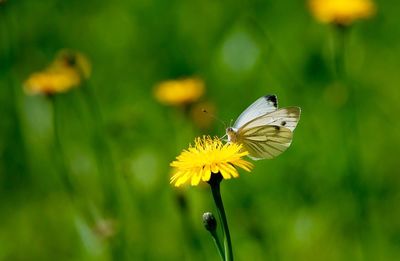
<point>263,130</point>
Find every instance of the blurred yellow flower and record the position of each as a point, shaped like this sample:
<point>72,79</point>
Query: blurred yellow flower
<point>208,156</point>
<point>51,81</point>
<point>179,92</point>
<point>67,71</point>
<point>342,12</point>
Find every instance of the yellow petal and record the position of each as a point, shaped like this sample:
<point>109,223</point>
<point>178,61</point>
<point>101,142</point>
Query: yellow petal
<point>196,178</point>
<point>232,171</point>
<point>206,173</point>
<point>225,174</point>
<point>214,168</point>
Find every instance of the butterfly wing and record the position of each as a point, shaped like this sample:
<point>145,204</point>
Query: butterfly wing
<point>265,142</point>
<point>286,117</point>
<point>268,135</point>
<point>261,106</point>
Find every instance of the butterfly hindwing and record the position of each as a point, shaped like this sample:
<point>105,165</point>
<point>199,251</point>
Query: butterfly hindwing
<point>265,142</point>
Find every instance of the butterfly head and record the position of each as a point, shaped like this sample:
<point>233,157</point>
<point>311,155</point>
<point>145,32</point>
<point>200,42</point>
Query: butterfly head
<point>232,134</point>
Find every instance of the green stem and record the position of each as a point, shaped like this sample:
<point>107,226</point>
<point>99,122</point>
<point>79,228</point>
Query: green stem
<point>218,244</point>
<point>215,189</point>
<point>58,151</point>
<point>79,204</point>
<point>339,51</point>
<point>106,167</point>
<point>101,149</point>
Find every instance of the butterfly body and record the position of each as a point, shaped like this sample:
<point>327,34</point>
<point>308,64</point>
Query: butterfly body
<point>232,134</point>
<point>264,130</point>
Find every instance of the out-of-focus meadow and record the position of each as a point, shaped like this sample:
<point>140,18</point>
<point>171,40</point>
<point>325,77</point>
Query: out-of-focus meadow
<point>84,174</point>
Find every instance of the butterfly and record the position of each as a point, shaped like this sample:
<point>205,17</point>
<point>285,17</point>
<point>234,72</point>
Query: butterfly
<point>264,130</point>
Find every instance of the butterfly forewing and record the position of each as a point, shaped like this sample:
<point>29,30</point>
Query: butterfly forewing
<point>261,106</point>
<point>265,142</point>
<point>286,117</point>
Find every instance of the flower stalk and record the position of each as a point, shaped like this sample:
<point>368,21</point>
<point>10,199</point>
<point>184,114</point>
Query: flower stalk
<point>101,149</point>
<point>211,225</point>
<point>339,51</point>
<point>215,182</point>
<point>59,154</point>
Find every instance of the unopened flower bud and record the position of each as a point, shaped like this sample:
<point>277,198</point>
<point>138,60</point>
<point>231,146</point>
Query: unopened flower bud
<point>209,221</point>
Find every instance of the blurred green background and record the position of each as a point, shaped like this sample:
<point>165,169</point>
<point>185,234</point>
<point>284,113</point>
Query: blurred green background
<point>333,195</point>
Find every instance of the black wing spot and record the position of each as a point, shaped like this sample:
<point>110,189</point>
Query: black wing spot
<point>277,128</point>
<point>272,99</point>
<point>283,123</point>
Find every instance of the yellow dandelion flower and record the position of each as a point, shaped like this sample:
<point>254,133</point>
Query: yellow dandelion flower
<point>64,73</point>
<point>208,156</point>
<point>342,12</point>
<point>51,81</point>
<point>179,92</point>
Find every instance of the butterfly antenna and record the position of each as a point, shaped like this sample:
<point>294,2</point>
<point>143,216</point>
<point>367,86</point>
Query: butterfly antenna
<point>214,117</point>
